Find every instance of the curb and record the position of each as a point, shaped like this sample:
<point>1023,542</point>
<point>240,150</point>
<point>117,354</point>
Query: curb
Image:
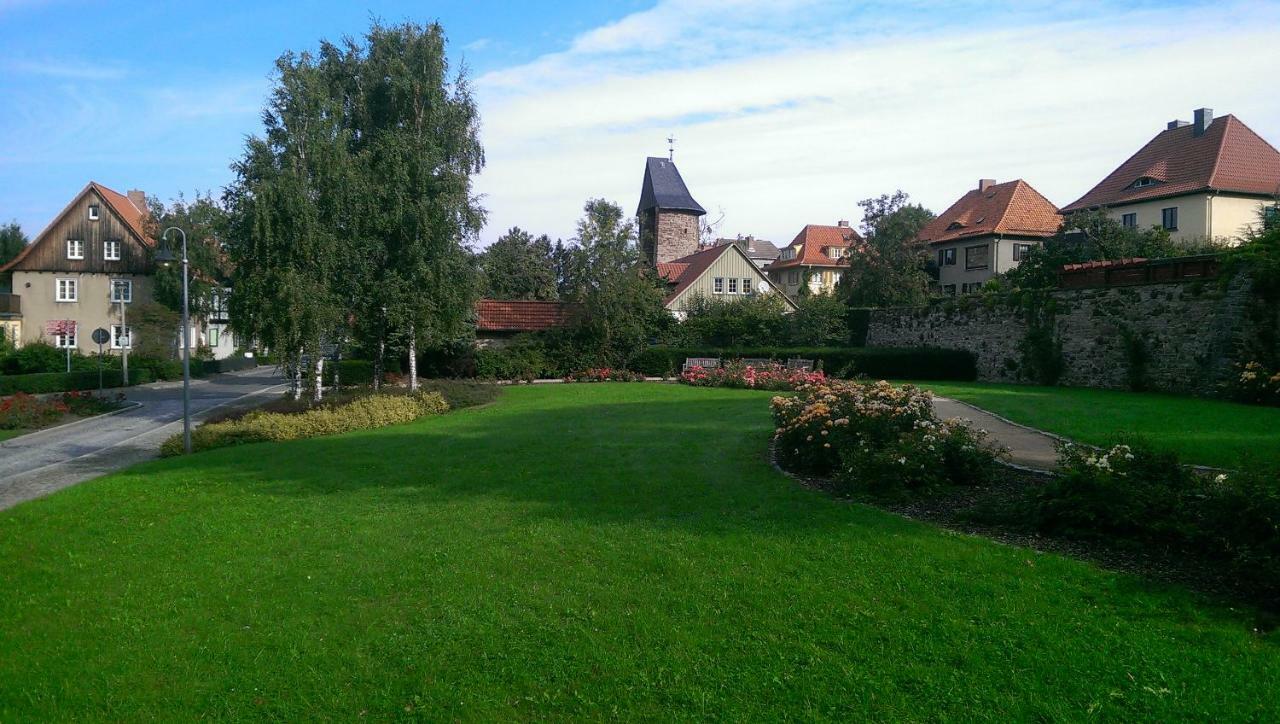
<point>128,407</point>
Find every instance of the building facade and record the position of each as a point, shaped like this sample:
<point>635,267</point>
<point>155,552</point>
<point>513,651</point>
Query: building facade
<point>1209,179</point>
<point>722,272</point>
<point>986,232</point>
<point>668,216</point>
<point>815,259</point>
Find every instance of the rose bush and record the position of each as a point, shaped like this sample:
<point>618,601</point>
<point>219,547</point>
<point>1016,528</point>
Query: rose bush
<point>604,374</point>
<point>878,437</point>
<point>772,376</point>
<point>1256,384</point>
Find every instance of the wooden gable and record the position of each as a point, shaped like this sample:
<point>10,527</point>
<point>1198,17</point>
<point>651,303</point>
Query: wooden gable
<point>48,252</point>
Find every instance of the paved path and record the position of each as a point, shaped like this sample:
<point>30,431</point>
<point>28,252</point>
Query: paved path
<point>1028,447</point>
<point>48,460</point>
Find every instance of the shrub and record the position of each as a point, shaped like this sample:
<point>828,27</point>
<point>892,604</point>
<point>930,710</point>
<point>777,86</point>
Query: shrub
<point>22,411</point>
<point>604,374</point>
<point>878,437</point>
<point>921,363</point>
<point>524,358</point>
<point>736,374</point>
<point>1256,384</point>
<point>63,381</point>
<point>364,413</point>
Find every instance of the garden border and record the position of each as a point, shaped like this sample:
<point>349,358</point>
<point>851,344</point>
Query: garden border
<point>126,407</point>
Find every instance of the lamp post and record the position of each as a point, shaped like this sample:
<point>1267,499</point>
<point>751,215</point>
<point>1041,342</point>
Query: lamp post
<point>165,257</point>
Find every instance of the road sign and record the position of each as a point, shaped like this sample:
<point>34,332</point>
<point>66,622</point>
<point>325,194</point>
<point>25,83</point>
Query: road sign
<point>101,336</point>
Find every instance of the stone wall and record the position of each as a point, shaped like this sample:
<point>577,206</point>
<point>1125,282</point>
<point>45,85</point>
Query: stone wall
<point>677,234</point>
<point>1180,337</point>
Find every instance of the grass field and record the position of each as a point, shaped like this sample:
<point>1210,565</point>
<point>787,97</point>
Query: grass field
<point>1205,432</point>
<point>7,434</point>
<point>573,551</point>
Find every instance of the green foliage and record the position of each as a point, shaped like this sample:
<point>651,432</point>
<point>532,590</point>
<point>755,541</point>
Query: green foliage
<point>877,362</point>
<point>1132,492</point>
<point>757,320</point>
<point>364,413</point>
<point>1040,347</point>
<point>1259,258</point>
<point>822,320</point>
<point>156,329</point>
<point>41,382</point>
<point>518,266</point>
<point>879,438</point>
<point>12,240</point>
<point>525,358</point>
<point>889,269</point>
<point>205,222</point>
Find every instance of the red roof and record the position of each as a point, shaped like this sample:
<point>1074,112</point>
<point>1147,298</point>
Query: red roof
<point>683,272</point>
<point>130,215</point>
<point>671,270</point>
<point>497,315</point>
<point>1011,208</point>
<point>1228,156</point>
<point>814,240</point>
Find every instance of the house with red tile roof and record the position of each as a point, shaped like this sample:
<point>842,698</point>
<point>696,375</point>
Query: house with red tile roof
<point>1208,179</point>
<point>91,261</point>
<point>722,272</point>
<point>988,231</point>
<point>815,258</point>
<point>498,320</point>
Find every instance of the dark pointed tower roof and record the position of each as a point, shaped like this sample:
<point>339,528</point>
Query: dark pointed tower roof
<point>664,189</point>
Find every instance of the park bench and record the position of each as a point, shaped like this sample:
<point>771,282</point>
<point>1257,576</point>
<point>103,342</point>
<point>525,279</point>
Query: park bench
<point>757,362</point>
<point>800,364</point>
<point>706,363</point>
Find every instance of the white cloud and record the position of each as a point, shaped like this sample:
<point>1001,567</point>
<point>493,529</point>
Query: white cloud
<point>62,68</point>
<point>788,115</point>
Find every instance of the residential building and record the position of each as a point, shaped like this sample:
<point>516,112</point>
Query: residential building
<point>498,320</point>
<point>719,272</point>
<point>83,272</point>
<point>1208,179</point>
<point>760,251</point>
<point>815,258</point>
<point>668,215</point>
<point>987,232</point>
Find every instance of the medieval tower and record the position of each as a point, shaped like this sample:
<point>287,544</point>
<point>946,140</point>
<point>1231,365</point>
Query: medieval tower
<point>668,214</point>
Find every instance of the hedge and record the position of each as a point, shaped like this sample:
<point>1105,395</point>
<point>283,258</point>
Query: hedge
<point>920,363</point>
<point>41,382</point>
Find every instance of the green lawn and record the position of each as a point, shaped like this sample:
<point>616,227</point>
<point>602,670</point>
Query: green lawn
<point>6,434</point>
<point>573,551</point>
<point>1205,432</point>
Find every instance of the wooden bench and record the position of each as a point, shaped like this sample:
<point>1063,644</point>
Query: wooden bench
<point>758,363</point>
<point>800,364</point>
<point>706,363</point>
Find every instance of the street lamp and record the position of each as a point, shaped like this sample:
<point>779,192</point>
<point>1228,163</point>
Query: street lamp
<point>165,257</point>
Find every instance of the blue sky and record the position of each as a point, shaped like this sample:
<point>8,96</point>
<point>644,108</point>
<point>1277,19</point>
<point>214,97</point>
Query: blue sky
<point>787,111</point>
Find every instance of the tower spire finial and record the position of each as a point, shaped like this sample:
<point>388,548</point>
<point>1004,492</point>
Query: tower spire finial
<point>671,147</point>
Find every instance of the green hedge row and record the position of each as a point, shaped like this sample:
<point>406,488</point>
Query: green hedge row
<point>920,363</point>
<point>41,382</point>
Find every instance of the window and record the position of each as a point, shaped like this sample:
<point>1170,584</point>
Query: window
<point>793,277</point>
<point>1169,218</point>
<point>111,250</point>
<point>93,212</point>
<point>949,290</point>
<point>68,290</point>
<point>122,291</point>
<point>75,249</point>
<point>1129,221</point>
<point>1143,182</point>
<point>121,337</point>
<point>65,339</point>
<point>213,336</point>
<point>946,257</point>
<point>968,288</point>
<point>733,286</point>
<point>718,287</point>
<point>788,253</point>
<point>975,257</point>
<point>1020,251</point>
<point>746,286</point>
<point>835,252</point>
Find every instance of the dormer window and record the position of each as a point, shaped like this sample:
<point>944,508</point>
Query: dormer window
<point>955,225</point>
<point>835,252</point>
<point>93,212</point>
<point>1143,182</point>
<point>788,253</point>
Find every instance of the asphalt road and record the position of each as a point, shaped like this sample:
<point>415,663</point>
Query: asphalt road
<point>42,462</point>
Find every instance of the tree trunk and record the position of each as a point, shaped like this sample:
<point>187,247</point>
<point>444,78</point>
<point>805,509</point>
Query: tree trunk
<point>378,363</point>
<point>413,360</point>
<point>337,368</point>
<point>318,393</point>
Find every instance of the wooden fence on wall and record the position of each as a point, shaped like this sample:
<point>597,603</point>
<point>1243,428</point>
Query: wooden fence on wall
<point>1126,272</point>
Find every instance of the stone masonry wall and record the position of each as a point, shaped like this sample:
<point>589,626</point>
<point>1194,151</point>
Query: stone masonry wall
<point>677,234</point>
<point>1188,336</point>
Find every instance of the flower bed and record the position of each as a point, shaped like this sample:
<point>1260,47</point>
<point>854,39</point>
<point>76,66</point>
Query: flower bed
<point>364,413</point>
<point>604,374</point>
<point>1256,384</point>
<point>736,374</point>
<point>878,437</point>
<point>27,412</point>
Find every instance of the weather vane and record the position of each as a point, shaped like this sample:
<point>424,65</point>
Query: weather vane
<point>671,147</point>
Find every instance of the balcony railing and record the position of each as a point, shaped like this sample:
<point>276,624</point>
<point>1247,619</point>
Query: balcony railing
<point>10,304</point>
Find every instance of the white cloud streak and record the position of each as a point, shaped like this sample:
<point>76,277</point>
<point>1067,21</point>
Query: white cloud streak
<point>787,114</point>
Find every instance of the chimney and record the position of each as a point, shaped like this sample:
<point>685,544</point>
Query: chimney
<point>138,198</point>
<point>1175,123</point>
<point>843,223</point>
<point>985,183</point>
<point>1204,117</point>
